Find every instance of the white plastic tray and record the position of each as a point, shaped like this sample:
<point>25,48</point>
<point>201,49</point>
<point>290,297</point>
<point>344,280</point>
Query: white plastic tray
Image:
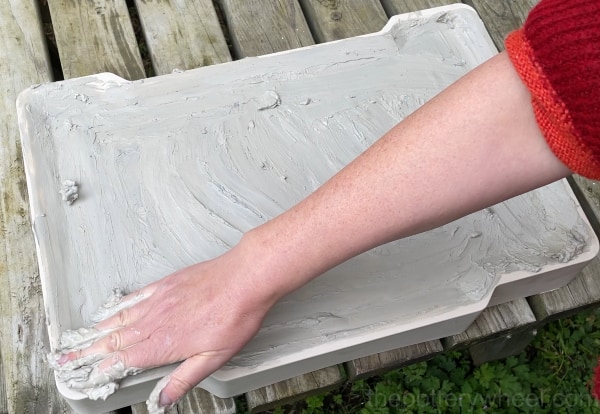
<point>172,170</point>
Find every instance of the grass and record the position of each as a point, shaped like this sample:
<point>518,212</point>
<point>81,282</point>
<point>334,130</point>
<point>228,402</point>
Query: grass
<point>553,375</point>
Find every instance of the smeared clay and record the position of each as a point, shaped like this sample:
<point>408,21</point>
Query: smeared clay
<point>268,100</point>
<point>114,305</point>
<point>84,374</point>
<point>93,382</point>
<point>77,339</point>
<point>176,168</point>
<point>152,403</point>
<point>69,191</point>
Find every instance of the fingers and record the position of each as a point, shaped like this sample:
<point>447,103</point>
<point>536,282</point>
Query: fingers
<point>111,343</point>
<point>126,311</point>
<point>115,304</point>
<point>94,378</point>
<point>96,372</point>
<point>184,378</point>
<point>115,333</point>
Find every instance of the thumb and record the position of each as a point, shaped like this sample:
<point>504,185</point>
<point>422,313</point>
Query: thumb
<point>186,376</point>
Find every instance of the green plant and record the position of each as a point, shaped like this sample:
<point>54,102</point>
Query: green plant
<point>551,376</point>
<point>314,404</point>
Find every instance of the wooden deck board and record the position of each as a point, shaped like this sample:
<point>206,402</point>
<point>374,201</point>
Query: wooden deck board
<point>27,382</point>
<point>502,17</point>
<point>195,401</point>
<point>260,27</point>
<point>588,193</point>
<point>493,322</point>
<point>95,36</point>
<point>182,35</point>
<point>3,399</point>
<point>393,7</point>
<point>385,361</point>
<point>583,292</point>
<point>333,20</point>
<point>295,389</point>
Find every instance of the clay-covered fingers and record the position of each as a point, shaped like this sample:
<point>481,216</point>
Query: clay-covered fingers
<point>112,342</point>
<point>116,332</point>
<point>187,316</point>
<point>98,369</point>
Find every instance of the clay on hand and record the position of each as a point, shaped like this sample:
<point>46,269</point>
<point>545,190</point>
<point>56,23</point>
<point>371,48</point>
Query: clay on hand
<point>201,315</point>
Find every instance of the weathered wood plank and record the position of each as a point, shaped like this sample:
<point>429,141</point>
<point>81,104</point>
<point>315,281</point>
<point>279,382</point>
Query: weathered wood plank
<point>501,17</point>
<point>583,292</point>
<point>260,27</point>
<point>27,380</point>
<point>95,36</point>
<point>195,401</point>
<point>503,319</point>
<point>338,19</point>
<point>295,389</point>
<point>588,193</point>
<point>385,361</point>
<point>393,7</point>
<point>3,400</point>
<point>182,34</point>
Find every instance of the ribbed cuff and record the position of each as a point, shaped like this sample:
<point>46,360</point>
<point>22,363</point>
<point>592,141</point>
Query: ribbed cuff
<point>551,113</point>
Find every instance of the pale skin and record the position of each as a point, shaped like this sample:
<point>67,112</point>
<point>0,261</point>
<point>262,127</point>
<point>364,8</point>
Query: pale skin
<point>475,144</point>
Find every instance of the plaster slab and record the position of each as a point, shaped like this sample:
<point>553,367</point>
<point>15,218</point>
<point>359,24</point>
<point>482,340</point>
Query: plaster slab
<point>172,170</point>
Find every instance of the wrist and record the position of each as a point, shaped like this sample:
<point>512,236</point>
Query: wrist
<point>270,265</point>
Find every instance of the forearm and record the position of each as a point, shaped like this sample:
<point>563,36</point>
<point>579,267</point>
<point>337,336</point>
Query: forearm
<point>483,147</point>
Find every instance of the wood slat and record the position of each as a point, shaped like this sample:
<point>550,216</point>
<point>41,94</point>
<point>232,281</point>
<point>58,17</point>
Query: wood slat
<point>386,361</point>
<point>259,27</point>
<point>393,7</point>
<point>295,389</point>
<point>339,19</point>
<point>3,399</point>
<point>182,34</point>
<point>27,381</point>
<point>501,17</point>
<point>588,193</point>
<point>196,401</point>
<point>582,293</point>
<point>95,36</point>
<point>493,322</point>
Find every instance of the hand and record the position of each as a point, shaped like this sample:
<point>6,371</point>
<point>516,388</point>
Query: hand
<point>202,315</point>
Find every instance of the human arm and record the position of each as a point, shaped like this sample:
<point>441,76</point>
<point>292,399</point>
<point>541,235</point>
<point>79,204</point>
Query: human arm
<point>488,137</point>
<point>416,177</point>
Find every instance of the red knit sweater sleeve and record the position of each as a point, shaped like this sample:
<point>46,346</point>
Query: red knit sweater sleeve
<point>557,55</point>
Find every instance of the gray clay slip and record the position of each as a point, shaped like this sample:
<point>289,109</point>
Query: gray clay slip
<point>173,170</point>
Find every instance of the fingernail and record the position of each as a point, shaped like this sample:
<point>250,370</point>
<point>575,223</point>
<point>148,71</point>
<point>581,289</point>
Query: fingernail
<point>164,401</point>
<point>63,359</point>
